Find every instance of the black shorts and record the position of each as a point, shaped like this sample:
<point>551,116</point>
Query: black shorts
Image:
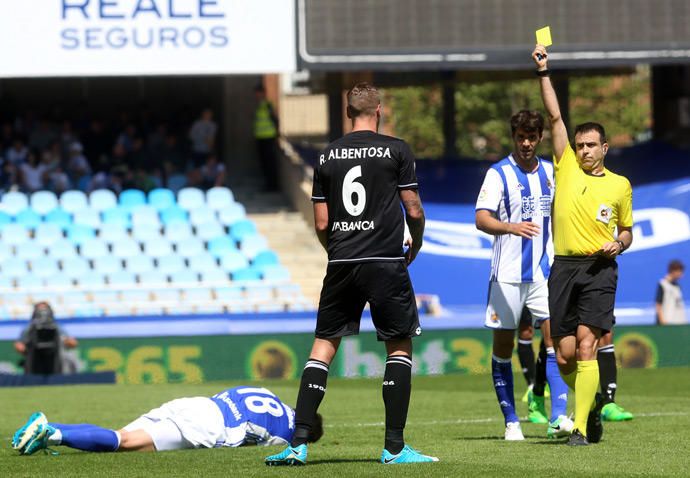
<point>582,290</point>
<point>387,288</point>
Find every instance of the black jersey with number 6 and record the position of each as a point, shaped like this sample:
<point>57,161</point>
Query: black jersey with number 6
<point>359,176</point>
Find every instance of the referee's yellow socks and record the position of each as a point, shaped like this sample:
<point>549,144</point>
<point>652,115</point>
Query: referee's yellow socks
<point>586,384</point>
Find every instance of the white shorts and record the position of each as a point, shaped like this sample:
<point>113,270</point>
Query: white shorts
<point>508,299</point>
<point>183,423</point>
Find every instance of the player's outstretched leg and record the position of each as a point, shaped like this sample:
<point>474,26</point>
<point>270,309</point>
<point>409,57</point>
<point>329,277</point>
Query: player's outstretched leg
<point>292,455</point>
<point>611,411</point>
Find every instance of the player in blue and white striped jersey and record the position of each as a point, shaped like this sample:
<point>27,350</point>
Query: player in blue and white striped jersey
<point>234,417</point>
<point>514,205</point>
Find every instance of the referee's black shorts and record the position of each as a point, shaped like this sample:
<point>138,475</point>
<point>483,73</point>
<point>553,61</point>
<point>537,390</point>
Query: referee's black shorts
<point>582,290</point>
<point>387,288</point>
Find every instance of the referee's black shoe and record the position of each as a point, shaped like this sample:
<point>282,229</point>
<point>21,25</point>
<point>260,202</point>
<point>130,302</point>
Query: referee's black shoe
<point>577,439</point>
<point>595,429</point>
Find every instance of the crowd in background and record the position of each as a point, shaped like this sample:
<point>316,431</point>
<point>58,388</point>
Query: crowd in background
<point>55,153</point>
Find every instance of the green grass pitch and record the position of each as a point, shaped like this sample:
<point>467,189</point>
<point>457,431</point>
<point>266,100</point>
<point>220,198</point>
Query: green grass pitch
<point>453,417</point>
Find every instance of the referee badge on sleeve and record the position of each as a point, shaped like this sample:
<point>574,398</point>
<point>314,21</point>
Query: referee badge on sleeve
<point>604,214</point>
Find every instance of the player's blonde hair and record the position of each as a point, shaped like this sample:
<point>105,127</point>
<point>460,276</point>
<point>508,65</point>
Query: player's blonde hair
<point>362,100</point>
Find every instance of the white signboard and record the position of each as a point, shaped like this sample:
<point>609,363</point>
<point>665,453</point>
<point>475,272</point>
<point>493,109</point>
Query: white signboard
<point>145,37</point>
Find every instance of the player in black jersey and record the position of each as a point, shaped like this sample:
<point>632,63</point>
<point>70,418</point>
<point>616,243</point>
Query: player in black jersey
<point>359,183</point>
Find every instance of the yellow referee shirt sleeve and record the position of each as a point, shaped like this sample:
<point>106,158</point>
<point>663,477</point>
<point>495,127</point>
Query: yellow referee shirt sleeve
<point>625,218</point>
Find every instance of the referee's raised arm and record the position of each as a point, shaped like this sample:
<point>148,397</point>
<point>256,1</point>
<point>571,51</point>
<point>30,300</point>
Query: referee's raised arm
<point>559,134</point>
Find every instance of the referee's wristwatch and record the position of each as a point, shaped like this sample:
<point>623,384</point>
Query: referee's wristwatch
<point>620,243</point>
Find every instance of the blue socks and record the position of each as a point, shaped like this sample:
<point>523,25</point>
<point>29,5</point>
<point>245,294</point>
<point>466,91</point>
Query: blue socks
<point>87,437</point>
<point>559,389</point>
<point>502,373</point>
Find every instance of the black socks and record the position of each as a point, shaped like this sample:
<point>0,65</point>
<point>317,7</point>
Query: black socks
<point>311,392</point>
<point>397,386</point>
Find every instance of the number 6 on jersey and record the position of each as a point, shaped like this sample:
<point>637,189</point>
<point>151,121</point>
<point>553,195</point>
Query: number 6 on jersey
<point>350,187</point>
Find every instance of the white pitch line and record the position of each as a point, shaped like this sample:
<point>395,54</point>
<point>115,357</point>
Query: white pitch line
<point>461,421</point>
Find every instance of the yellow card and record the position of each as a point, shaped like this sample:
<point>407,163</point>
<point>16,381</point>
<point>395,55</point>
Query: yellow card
<point>544,36</point>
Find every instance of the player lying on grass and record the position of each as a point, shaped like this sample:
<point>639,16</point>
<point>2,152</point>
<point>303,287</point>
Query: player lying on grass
<point>235,417</point>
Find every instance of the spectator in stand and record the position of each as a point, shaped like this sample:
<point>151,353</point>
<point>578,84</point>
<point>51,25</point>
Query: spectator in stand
<point>57,180</point>
<point>18,153</point>
<point>212,172</point>
<point>127,138</point>
<point>6,136</point>
<point>8,176</point>
<point>670,307</point>
<point>202,135</point>
<point>78,166</point>
<point>31,173</point>
<point>67,138</point>
<point>42,136</point>
<point>97,145</point>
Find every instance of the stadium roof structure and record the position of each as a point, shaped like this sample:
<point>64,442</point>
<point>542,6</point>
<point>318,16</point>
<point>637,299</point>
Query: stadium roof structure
<point>337,35</point>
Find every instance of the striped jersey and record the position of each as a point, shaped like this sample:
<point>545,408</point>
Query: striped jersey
<point>515,195</point>
<point>254,416</point>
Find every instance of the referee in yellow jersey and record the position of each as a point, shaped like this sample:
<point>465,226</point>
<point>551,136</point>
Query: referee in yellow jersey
<point>591,205</point>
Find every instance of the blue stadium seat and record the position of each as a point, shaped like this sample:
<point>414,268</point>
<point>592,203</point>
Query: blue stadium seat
<point>252,244</point>
<point>58,281</point>
<point>59,217</point>
<point>242,228</point>
<point>87,217</point>
<point>44,267</point>
<point>48,233</point>
<point>218,198</point>
<point>190,247</point>
<point>185,276</point>
<point>113,232</point>
<point>233,261</point>
<point>247,274</point>
<point>161,199</point>
<point>126,248</point>
<point>136,297</point>
<point>233,213</point>
<point>166,294</point>
<point>62,249</point>
<point>107,265</point>
<point>288,291</point>
<point>174,215</point>
<point>265,258</point>
<point>152,278</point>
<point>28,218</point>
<point>102,199</point>
<point>74,297</point>
<point>79,234</point>
<point>90,279</point>
<point>259,292</point>
<point>43,202</point>
<point>93,248</point>
<point>178,232</point>
<point>29,281</point>
<point>139,264</point>
<point>14,234</point>
<point>4,219</point>
<point>75,267</point>
<point>121,278</point>
<point>198,295</point>
<point>116,215</point>
<point>191,198</point>
<point>170,264</point>
<point>144,232</point>
<point>144,214</point>
<point>105,297</point>
<point>202,262</point>
<point>29,250</point>
<point>73,201</point>
<point>5,252</point>
<point>202,216</point>
<point>229,293</point>
<point>209,231</point>
<point>214,276</point>
<point>14,268</point>
<point>14,201</point>
<point>220,246</point>
<point>157,248</point>
<point>275,273</point>
<point>130,198</point>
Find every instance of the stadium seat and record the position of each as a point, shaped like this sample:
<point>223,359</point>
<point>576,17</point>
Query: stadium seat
<point>105,297</point>
<point>210,230</point>
<point>14,234</point>
<point>116,215</point>
<point>118,309</point>
<point>168,295</point>
<point>182,277</point>
<point>170,264</point>
<point>87,217</point>
<point>80,233</point>
<point>87,310</point>
<point>174,215</point>
<point>5,252</point>
<point>90,279</point>
<point>275,273</point>
<point>136,297</point>
<point>198,295</point>
<point>44,295</point>
<point>107,264</point>
<point>144,232</point>
<point>102,199</point>
<point>58,281</point>
<point>202,216</point>
<point>259,292</point>
<point>220,246</point>
<point>126,248</point>
<point>157,248</point>
<point>14,268</point>
<point>214,276</point>
<point>74,298</point>
<point>251,245</point>
<point>29,250</point>
<point>245,275</point>
<point>229,293</point>
<point>266,307</point>
<point>47,234</point>
<point>242,228</point>
<point>29,281</point>
<point>233,261</point>
<point>122,278</point>
<point>145,214</point>
<point>218,198</point>
<point>177,232</point>
<point>93,248</point>
<point>28,218</point>
<point>161,199</point>
<point>73,201</point>
<point>113,232</point>
<point>43,202</point>
<point>288,291</point>
<point>265,258</point>
<point>139,264</point>
<point>62,249</point>
<point>190,198</point>
<point>233,213</point>
<point>153,279</point>
<point>202,262</point>
<point>44,267</point>
<point>59,217</point>
<point>4,219</point>
<point>75,267</point>
<point>130,198</point>
<point>14,201</point>
<point>190,247</point>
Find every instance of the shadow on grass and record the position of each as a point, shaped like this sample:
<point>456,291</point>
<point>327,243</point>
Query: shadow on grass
<point>343,460</point>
